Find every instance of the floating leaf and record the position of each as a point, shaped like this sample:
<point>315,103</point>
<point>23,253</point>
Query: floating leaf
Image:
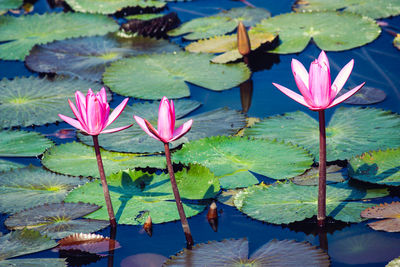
<point>32,186</point>
<point>90,243</point>
<point>250,16</point>
<point>377,167</point>
<point>228,196</point>
<point>31,100</point>
<point>287,202</point>
<point>146,16</point>
<point>168,73</point>
<point>22,242</point>
<point>394,263</point>
<point>80,160</point>
<point>5,5</point>
<point>57,220</point>
<point>144,259</point>
<point>135,193</point>
<point>331,31</point>
<point>231,156</point>
<point>6,165</point>
<point>389,212</point>
<point>334,174</point>
<point>371,8</point>
<point>41,262</point>
<point>365,96</point>
<point>111,6</point>
<point>351,131</point>
<point>23,32</point>
<point>227,44</point>
<point>22,144</point>
<point>87,57</point>
<point>236,253</point>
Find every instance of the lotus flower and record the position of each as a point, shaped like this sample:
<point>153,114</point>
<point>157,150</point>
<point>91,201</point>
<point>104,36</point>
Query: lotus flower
<point>315,87</point>
<point>166,131</point>
<point>92,113</point>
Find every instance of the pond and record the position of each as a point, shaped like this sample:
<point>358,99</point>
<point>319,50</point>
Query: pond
<point>348,243</point>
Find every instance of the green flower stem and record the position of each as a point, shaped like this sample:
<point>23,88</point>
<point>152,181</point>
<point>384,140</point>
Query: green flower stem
<point>110,210</point>
<point>322,170</point>
<point>185,224</point>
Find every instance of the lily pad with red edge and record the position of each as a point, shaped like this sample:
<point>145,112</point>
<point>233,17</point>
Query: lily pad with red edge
<point>377,167</point>
<point>350,131</point>
<point>390,212</point>
<point>111,6</point>
<point>57,220</point>
<point>334,174</point>
<point>87,57</point>
<point>91,243</point>
<point>168,74</point>
<point>284,203</point>
<point>22,143</point>
<point>236,253</point>
<point>365,96</point>
<point>28,187</point>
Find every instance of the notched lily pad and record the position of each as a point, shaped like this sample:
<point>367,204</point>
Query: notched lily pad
<point>57,220</point>
<point>334,174</point>
<point>87,57</point>
<point>32,186</point>
<point>20,34</point>
<point>236,253</point>
<point>22,143</point>
<point>365,96</point>
<point>168,73</point>
<point>80,160</point>
<point>90,243</point>
<point>377,167</point>
<point>111,6</point>
<point>351,131</point>
<point>390,212</point>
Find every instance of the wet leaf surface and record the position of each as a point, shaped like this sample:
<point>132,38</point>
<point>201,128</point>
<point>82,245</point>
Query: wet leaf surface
<point>390,212</point>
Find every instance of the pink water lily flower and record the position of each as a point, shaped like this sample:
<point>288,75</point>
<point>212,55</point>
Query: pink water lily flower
<point>92,113</point>
<point>166,131</point>
<point>315,87</point>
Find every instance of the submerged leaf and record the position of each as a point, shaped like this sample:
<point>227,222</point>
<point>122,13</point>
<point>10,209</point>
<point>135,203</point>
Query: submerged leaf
<point>90,243</point>
<point>390,212</point>
<point>144,260</point>
<point>22,144</point>
<point>365,96</point>
<point>168,73</point>
<point>334,174</point>
<point>6,165</point>
<point>112,6</point>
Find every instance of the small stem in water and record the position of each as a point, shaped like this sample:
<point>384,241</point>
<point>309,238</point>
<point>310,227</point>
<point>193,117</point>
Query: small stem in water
<point>322,171</point>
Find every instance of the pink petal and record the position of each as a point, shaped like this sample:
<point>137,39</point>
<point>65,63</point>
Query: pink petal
<point>172,114</point>
<point>164,120</point>
<point>117,111</point>
<point>80,100</point>
<point>299,70</point>
<point>322,58</point>
<point>342,77</point>
<point>346,95</point>
<point>143,125</point>
<point>117,129</point>
<point>320,84</point>
<point>93,114</point>
<point>76,113</point>
<point>72,122</point>
<point>103,95</point>
<point>291,94</point>
<point>182,130</point>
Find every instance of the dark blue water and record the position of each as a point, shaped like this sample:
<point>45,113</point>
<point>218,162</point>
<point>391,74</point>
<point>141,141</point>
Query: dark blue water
<point>378,64</point>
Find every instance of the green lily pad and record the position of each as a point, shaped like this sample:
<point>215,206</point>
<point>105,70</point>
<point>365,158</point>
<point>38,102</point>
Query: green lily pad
<point>22,242</point>
<point>394,263</point>
<point>31,100</point>
<point>57,220</point>
<point>229,156</point>
<point>365,96</point>
<point>168,73</point>
<point>134,193</point>
<point>351,131</point>
<point>334,174</point>
<point>41,262</point>
<point>371,8</point>
<point>235,252</point>
<point>5,5</point>
<point>80,160</point>
<point>23,32</point>
<point>6,165</point>
<point>287,202</point>
<point>111,6</point>
<point>250,16</point>
<point>377,167</point>
<point>145,16</point>
<point>331,31</point>
<point>227,197</point>
<point>389,212</point>
<point>22,144</point>
<point>32,186</point>
<point>87,57</point>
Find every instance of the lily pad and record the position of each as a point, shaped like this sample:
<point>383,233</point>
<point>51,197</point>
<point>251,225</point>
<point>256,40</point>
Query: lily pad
<point>31,100</point>
<point>227,44</point>
<point>22,242</point>
<point>6,165</point>
<point>41,262</point>
<point>146,16</point>
<point>22,33</point>
<point>168,73</point>
<point>235,252</point>
<point>90,243</point>
<point>134,193</point>
<point>87,57</point>
<point>250,16</point>
<point>80,160</point>
<point>22,144</point>
<point>351,131</point>
<point>111,6</point>
<point>32,186</point>
<point>57,220</point>
<point>331,31</point>
<point>5,5</point>
<point>365,96</point>
<point>227,197</point>
<point>334,174</point>
<point>285,203</point>
<point>232,156</point>
<point>389,212</point>
<point>377,167</point>
<point>371,8</point>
